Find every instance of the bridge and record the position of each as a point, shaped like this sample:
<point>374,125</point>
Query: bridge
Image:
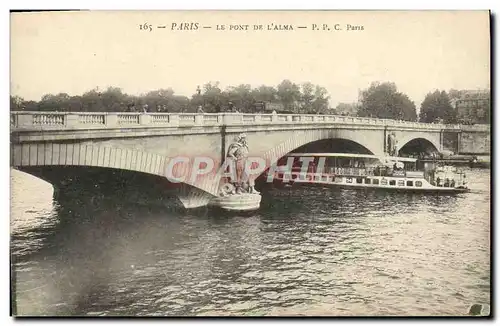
<point>103,151</point>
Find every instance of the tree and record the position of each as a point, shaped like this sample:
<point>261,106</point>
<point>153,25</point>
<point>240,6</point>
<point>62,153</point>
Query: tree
<point>179,103</point>
<point>163,100</point>
<point>59,102</point>
<point>487,111</point>
<point>289,94</point>
<point>75,104</point>
<point>240,97</point>
<point>265,94</point>
<point>212,97</point>
<point>112,100</point>
<point>320,103</point>
<point>382,100</point>
<point>16,103</point>
<point>307,97</point>
<point>408,109</point>
<point>30,105</point>
<point>196,100</point>
<point>455,94</point>
<point>436,106</point>
<point>347,109</point>
<point>91,101</point>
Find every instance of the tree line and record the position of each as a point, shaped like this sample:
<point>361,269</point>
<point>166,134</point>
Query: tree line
<point>379,100</point>
<point>289,96</point>
<point>383,100</point>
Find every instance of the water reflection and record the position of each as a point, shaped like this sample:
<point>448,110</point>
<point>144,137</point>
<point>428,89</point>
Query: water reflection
<point>307,251</point>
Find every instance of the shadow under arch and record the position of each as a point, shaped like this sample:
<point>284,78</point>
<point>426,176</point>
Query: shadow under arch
<point>87,185</point>
<point>333,145</point>
<point>73,154</point>
<point>417,146</point>
<point>325,145</point>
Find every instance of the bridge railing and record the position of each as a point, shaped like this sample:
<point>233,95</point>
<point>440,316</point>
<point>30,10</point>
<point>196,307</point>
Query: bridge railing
<point>479,127</point>
<point>36,120</point>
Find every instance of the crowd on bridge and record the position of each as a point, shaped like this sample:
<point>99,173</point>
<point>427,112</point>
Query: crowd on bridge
<point>163,108</point>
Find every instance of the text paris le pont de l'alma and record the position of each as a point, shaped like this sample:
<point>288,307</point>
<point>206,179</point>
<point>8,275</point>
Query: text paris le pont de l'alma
<point>270,27</point>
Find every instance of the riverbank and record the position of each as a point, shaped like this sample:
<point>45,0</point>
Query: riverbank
<point>463,160</point>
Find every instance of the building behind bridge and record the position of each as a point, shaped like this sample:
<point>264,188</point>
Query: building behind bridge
<point>472,106</point>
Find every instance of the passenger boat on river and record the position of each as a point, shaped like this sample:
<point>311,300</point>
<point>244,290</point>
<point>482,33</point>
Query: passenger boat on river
<point>371,171</point>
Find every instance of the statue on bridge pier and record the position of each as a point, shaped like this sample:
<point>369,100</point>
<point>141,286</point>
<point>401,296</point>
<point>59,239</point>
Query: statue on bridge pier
<point>392,144</point>
<point>237,193</point>
<point>238,152</point>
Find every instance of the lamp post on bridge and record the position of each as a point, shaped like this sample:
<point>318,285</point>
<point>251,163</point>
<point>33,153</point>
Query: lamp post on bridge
<point>200,108</point>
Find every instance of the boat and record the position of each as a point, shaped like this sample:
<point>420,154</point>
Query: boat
<point>372,172</point>
<point>481,162</point>
<point>230,199</point>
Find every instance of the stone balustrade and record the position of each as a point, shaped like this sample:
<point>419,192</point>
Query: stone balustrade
<point>24,120</point>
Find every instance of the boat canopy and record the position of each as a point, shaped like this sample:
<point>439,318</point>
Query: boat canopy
<point>350,155</point>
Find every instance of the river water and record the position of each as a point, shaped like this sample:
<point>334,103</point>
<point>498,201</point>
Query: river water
<point>307,251</point>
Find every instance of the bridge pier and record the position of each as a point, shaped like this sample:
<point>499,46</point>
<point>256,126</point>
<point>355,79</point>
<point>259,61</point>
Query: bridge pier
<point>193,198</point>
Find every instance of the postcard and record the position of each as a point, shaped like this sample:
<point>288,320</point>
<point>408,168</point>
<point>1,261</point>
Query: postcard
<point>250,163</point>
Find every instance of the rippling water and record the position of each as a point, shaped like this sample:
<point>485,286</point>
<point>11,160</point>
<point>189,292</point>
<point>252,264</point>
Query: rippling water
<point>308,251</point>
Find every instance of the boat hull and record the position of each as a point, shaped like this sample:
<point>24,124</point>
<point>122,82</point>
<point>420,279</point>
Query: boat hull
<point>432,190</point>
<point>400,184</point>
<point>389,174</point>
<point>237,202</point>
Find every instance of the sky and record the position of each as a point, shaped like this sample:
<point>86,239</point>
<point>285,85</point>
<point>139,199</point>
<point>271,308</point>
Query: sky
<point>420,51</point>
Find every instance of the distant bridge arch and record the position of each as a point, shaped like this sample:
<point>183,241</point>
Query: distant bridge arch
<point>419,144</point>
<point>333,145</point>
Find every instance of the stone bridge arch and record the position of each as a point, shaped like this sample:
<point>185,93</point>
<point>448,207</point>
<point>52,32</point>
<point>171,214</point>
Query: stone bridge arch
<point>403,137</point>
<point>333,145</point>
<point>426,143</point>
<point>26,155</point>
<point>285,142</point>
